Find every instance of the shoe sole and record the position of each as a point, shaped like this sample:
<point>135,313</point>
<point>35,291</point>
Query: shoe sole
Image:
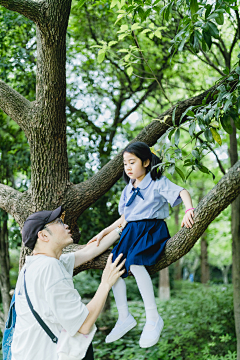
<point>130,327</point>
<point>153,342</point>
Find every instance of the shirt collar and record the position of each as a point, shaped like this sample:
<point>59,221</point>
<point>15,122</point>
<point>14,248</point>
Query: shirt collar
<point>146,181</point>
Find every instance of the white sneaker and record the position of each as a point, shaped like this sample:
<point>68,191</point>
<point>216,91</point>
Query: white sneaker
<point>121,328</point>
<point>150,338</point>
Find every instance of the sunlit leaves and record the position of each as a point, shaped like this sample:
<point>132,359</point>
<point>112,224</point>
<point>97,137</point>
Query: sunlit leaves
<point>216,136</point>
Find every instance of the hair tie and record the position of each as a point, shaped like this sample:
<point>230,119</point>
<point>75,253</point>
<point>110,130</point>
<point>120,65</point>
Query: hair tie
<point>189,209</point>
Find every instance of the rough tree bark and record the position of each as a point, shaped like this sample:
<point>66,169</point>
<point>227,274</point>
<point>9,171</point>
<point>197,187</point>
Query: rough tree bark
<point>235,228</point>
<point>4,268</point>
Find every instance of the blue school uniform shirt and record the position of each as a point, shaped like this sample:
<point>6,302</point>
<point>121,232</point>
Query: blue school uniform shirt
<point>156,194</point>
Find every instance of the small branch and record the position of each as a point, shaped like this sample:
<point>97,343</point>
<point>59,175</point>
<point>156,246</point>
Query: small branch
<point>159,83</point>
<point>29,8</point>
<point>84,116</point>
<point>14,104</point>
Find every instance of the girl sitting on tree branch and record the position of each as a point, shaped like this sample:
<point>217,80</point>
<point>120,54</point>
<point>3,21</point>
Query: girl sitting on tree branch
<point>144,206</point>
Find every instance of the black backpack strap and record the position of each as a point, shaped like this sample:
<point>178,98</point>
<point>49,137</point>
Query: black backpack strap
<point>37,317</point>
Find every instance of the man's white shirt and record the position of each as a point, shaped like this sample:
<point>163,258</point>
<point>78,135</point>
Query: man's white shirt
<point>50,288</point>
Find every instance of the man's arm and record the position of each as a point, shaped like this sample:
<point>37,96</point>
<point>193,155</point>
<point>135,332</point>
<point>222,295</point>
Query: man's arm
<point>90,251</point>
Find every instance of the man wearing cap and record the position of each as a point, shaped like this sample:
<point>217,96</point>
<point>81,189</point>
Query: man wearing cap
<point>49,286</point>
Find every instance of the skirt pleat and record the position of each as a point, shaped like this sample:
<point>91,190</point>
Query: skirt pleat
<point>142,242</point>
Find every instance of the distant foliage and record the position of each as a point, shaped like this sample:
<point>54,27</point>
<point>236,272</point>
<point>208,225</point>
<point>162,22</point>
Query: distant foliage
<point>199,324</point>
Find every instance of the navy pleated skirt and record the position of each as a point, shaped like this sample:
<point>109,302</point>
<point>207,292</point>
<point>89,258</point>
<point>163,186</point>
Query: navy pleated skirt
<point>142,242</point>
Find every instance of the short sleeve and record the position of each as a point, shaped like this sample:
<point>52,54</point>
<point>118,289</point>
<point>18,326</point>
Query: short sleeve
<point>122,202</point>
<point>68,261</point>
<point>66,304</point>
<point>170,191</point>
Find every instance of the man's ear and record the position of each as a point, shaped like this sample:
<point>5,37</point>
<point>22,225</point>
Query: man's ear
<point>43,236</point>
<point>146,163</point>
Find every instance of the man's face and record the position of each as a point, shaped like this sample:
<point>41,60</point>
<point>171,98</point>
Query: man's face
<point>59,233</point>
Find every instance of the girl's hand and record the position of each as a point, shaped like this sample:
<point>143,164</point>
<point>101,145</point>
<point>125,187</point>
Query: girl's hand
<point>188,219</point>
<point>97,238</point>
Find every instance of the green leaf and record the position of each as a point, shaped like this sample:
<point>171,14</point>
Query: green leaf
<point>141,13</point>
<point>145,31</point>
<point>207,38</point>
<point>213,30</point>
<point>196,154</point>
<point>208,10</point>
<point>81,3</point>
<point>203,169</point>
<point>216,136</point>
<point>170,134</point>
<point>111,43</point>
<point>136,26</point>
<point>158,34</point>
<point>226,123</point>
<point>113,3</point>
<point>171,169</point>
<point>234,115</point>
<point>173,115</point>
<point>179,171</point>
<point>123,51</point>
<point>122,36</point>
<point>167,12</point>
<point>101,57</point>
<point>177,137</point>
<point>192,128</point>
<point>227,104</point>
<point>208,135</point>
<point>129,70</point>
<point>193,7</point>
<point>237,70</point>
<point>123,28</point>
<point>220,19</point>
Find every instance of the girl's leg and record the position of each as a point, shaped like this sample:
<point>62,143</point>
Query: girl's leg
<point>125,320</point>
<point>120,295</point>
<point>145,286</point>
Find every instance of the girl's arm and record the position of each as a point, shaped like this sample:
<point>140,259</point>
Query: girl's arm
<point>104,232</point>
<point>90,251</point>
<point>188,217</point>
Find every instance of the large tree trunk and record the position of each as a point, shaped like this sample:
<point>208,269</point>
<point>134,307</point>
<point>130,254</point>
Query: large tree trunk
<point>205,275</point>
<point>4,267</point>
<point>235,227</point>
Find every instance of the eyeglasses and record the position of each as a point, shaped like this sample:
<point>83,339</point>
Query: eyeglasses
<point>56,221</point>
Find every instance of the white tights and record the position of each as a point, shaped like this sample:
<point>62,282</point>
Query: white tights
<point>145,287</point>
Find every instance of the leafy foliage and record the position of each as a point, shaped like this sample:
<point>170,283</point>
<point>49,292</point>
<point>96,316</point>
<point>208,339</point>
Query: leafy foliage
<point>198,324</point>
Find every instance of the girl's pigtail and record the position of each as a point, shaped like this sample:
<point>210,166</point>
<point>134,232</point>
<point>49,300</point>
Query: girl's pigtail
<point>156,172</point>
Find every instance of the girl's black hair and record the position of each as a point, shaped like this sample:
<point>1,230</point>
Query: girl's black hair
<point>143,152</point>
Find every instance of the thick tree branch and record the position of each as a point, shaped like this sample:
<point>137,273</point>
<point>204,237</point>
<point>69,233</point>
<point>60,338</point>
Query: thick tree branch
<point>226,190</point>
<point>14,104</point>
<point>13,202</point>
<point>29,8</point>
